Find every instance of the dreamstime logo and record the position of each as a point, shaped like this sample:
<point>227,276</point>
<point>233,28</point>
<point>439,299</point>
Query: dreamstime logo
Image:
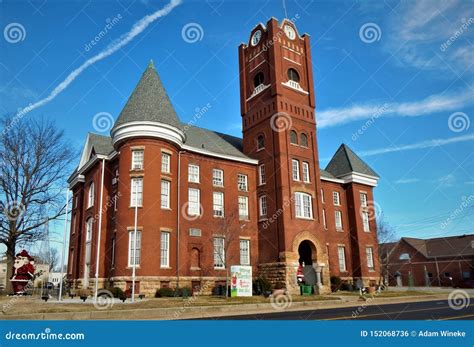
<point>109,24</point>
<point>105,300</point>
<point>458,121</point>
<point>465,203</point>
<point>103,122</point>
<point>192,33</point>
<point>281,301</point>
<point>372,209</point>
<point>280,122</point>
<point>191,217</point>
<point>370,32</point>
<point>14,210</point>
<point>458,299</point>
<point>14,33</point>
<point>198,113</point>
<point>466,23</point>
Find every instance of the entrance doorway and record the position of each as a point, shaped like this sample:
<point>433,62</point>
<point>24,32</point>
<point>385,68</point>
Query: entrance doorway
<point>307,252</point>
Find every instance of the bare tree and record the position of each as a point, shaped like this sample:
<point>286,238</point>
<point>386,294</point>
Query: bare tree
<point>51,258</point>
<point>35,161</point>
<point>386,234</point>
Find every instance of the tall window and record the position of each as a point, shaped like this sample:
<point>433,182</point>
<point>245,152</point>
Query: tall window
<point>138,242</point>
<point>363,199</point>
<point>303,205</point>
<point>305,172</point>
<point>136,198</point>
<point>137,160</point>
<point>244,252</point>
<point>260,142</point>
<point>165,194</point>
<point>293,137</point>
<point>90,200</point>
<point>262,202</point>
<point>365,221</point>
<point>219,253</point>
<point>242,183</point>
<point>304,140</point>
<point>243,207</point>
<point>193,202</point>
<point>165,249</point>
<point>338,216</point>
<point>325,224</point>
<point>295,164</point>
<point>218,204</point>
<point>258,79</point>
<point>369,252</point>
<point>322,195</point>
<point>261,174</point>
<point>218,178</point>
<point>336,198</point>
<point>293,75</point>
<point>165,162</point>
<point>341,252</point>
<point>193,173</point>
<point>89,229</point>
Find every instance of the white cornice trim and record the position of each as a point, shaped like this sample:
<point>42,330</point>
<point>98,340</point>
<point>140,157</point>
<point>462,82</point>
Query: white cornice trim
<point>354,177</point>
<point>147,129</point>
<point>218,155</point>
<point>335,180</point>
<point>76,180</point>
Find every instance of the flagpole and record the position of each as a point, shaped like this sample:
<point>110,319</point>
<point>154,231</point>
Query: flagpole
<point>64,248</point>
<point>134,259</point>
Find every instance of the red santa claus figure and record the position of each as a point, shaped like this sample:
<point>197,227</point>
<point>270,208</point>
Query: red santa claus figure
<point>23,272</point>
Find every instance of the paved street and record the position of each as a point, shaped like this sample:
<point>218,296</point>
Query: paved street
<point>427,310</point>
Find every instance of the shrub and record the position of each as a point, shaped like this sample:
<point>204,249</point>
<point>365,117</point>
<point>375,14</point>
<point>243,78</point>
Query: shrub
<point>164,293</point>
<point>181,291</point>
<point>118,293</point>
<point>335,283</point>
<point>263,285</point>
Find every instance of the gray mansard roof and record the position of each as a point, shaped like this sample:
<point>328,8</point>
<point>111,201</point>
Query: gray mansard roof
<point>345,161</point>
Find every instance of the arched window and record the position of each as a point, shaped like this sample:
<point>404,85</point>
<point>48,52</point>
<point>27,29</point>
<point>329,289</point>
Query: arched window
<point>90,201</point>
<point>89,229</point>
<point>304,140</point>
<point>260,142</point>
<point>293,75</point>
<point>195,259</point>
<point>293,137</point>
<point>258,79</point>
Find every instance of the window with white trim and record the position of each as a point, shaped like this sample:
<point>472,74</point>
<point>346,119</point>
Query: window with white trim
<point>193,202</point>
<point>262,204</point>
<point>363,199</point>
<point>137,159</point>
<point>218,204</point>
<point>303,205</point>
<point>325,224</point>
<point>341,252</point>
<point>165,249</point>
<point>90,200</point>
<point>242,182</point>
<point>193,173</point>
<point>89,229</point>
<point>336,198</point>
<point>295,166</point>
<point>305,172</point>
<point>165,194</point>
<point>218,177</point>
<point>322,195</point>
<point>243,207</point>
<point>261,174</point>
<point>165,162</point>
<point>369,252</point>
<point>365,221</point>
<point>138,242</point>
<point>136,196</point>
<point>338,218</point>
<point>219,253</point>
<point>244,252</point>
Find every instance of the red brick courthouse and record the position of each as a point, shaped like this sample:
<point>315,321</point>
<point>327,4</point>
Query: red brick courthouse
<point>206,200</point>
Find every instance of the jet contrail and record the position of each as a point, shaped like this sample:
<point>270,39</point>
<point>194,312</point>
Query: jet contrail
<point>137,28</point>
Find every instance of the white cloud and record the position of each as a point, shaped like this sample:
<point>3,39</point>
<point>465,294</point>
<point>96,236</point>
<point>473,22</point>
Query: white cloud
<point>447,180</point>
<point>418,145</point>
<point>407,180</point>
<point>431,104</point>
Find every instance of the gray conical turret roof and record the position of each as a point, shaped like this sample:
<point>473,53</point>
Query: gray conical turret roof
<point>149,102</point>
<point>345,161</point>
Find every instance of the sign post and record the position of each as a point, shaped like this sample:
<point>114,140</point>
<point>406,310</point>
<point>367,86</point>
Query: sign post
<point>241,280</point>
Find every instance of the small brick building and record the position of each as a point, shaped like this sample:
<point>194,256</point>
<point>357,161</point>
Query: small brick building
<point>204,200</point>
<point>439,262</point>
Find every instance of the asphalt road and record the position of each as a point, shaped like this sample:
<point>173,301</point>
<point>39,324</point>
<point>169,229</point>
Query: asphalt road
<point>426,310</point>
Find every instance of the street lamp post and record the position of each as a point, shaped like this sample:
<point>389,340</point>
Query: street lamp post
<point>63,249</point>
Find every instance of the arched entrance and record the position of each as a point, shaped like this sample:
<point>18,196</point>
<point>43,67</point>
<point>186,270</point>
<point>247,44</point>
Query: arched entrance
<point>307,255</point>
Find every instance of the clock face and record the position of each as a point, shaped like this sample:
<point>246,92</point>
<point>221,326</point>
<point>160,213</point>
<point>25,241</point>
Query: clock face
<point>290,32</point>
<point>256,38</point>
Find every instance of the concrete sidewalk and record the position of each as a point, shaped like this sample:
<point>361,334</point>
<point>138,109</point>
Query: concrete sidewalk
<point>188,311</point>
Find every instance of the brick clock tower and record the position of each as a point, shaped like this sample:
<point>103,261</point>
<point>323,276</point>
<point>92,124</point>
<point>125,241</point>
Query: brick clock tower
<point>279,129</point>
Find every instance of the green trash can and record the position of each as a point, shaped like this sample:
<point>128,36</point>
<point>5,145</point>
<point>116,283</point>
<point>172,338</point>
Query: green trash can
<point>306,290</point>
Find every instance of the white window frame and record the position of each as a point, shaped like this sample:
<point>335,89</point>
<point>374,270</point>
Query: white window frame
<point>365,221</point>
<point>242,183</point>
<point>336,198</point>
<point>325,224</point>
<point>218,204</point>
<point>164,249</point>
<point>219,252</point>
<point>303,205</point>
<point>305,169</point>
<point>138,242</point>
<point>261,174</point>
<point>369,252</point>
<point>193,173</point>
<point>243,207</point>
<point>295,169</point>
<point>363,199</point>
<point>89,229</point>
<point>165,162</point>
<point>165,194</point>
<point>194,206</point>
<point>244,252</point>
<point>136,197</point>
<point>338,220</point>
<point>138,156</point>
<point>218,177</point>
<point>341,255</point>
<point>322,195</point>
<point>91,195</point>
<point>262,206</point>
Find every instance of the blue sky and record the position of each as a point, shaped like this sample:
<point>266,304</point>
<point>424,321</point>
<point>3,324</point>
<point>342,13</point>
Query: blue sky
<point>394,81</point>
